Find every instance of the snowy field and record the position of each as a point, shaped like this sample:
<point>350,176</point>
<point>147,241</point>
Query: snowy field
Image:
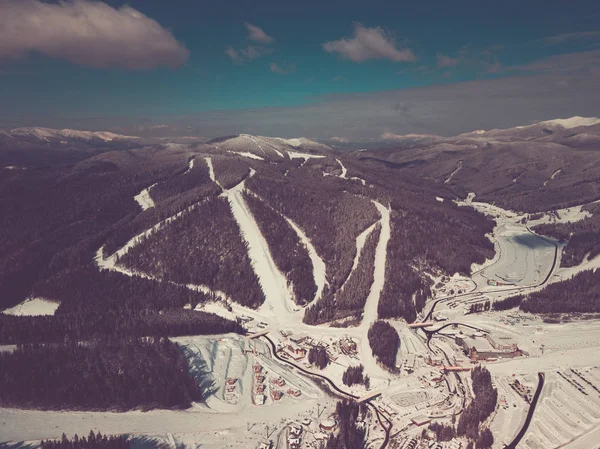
<point>33,307</point>
<point>526,258</point>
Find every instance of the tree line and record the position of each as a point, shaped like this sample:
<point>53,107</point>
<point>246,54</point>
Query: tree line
<point>93,441</point>
<point>101,375</point>
<point>582,237</point>
<point>318,356</point>
<point>480,408</point>
<point>230,170</point>
<point>384,342</point>
<point>351,434</point>
<point>355,375</point>
<point>580,294</point>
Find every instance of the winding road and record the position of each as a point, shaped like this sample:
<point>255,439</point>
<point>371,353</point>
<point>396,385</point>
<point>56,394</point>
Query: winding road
<point>341,393</point>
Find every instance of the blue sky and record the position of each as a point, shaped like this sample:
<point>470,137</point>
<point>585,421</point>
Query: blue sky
<point>268,58</point>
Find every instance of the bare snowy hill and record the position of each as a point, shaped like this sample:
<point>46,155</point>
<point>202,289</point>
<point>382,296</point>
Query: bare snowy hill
<point>547,165</point>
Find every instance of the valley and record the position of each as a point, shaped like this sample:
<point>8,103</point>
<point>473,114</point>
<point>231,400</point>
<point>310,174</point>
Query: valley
<point>253,254</point>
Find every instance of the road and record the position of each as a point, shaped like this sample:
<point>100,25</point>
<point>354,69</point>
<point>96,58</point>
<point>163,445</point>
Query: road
<point>536,396</point>
<point>341,393</point>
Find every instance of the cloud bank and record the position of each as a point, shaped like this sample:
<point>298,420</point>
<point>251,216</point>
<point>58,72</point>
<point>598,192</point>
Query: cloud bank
<point>369,43</point>
<point>88,33</point>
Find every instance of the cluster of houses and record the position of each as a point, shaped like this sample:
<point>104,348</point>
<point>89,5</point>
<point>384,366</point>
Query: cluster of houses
<point>231,394</point>
<point>298,345</point>
<point>276,386</point>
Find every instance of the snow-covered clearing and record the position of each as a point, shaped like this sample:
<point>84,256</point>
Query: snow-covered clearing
<point>554,175</point>
<point>248,154</point>
<point>144,199</point>
<point>456,170</point>
<point>564,273</point>
<point>344,169</point>
<point>33,307</point>
<point>526,258</point>
<point>278,299</point>
<point>211,171</point>
<point>305,156</point>
<point>370,311</point>
<point>190,166</point>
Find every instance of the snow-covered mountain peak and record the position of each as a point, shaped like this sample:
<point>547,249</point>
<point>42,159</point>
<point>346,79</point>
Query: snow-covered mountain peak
<point>49,133</point>
<point>572,122</point>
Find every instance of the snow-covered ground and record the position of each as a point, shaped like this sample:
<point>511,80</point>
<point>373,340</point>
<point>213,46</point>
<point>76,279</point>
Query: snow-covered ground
<point>278,299</point>
<point>227,356</point>
<point>526,258</point>
<point>190,166</point>
<point>33,307</point>
<point>248,154</point>
<point>456,170</point>
<point>144,199</point>
<point>370,311</point>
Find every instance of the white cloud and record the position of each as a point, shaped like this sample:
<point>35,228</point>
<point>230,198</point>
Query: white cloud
<point>246,54</point>
<point>258,35</point>
<point>284,69</point>
<point>369,43</point>
<point>446,61</point>
<point>87,32</point>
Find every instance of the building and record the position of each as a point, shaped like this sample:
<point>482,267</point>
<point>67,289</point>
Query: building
<point>295,430</point>
<point>276,395</point>
<point>409,362</point>
<point>420,420</point>
<point>259,399</point>
<point>294,443</point>
<point>294,392</point>
<point>327,425</point>
<point>280,381</point>
<point>482,348</point>
<point>503,343</point>
<point>257,368</point>
<point>348,346</point>
<point>296,352</point>
<point>298,339</point>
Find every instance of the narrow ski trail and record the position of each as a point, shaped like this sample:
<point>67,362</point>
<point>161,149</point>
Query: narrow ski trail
<point>370,311</point>
<point>278,299</point>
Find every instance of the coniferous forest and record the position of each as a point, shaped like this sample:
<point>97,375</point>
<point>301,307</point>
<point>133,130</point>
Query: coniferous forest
<point>92,441</point>
<point>99,375</point>
<point>384,342</point>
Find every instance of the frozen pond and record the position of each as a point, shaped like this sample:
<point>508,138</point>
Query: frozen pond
<point>525,258</point>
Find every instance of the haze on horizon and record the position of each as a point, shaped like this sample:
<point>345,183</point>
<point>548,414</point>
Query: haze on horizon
<point>340,69</point>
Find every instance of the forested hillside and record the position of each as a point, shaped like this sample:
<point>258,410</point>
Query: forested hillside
<point>102,375</point>
<point>203,247</point>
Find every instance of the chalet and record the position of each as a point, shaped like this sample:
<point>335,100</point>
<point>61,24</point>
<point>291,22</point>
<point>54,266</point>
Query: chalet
<point>296,352</point>
<point>280,381</point>
<point>276,395</point>
<point>294,392</point>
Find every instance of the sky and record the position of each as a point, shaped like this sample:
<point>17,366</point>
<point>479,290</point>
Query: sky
<point>346,69</point>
